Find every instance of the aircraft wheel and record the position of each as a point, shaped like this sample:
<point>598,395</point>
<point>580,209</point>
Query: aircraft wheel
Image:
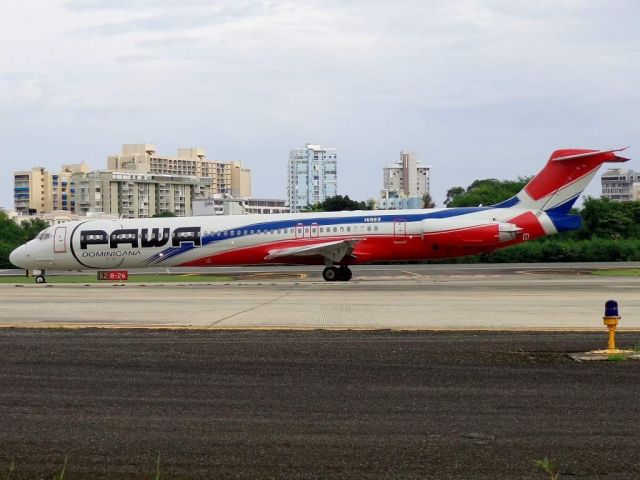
<point>344,274</point>
<point>330,274</point>
<point>41,279</point>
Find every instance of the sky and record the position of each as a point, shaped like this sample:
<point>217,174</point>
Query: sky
<point>478,89</point>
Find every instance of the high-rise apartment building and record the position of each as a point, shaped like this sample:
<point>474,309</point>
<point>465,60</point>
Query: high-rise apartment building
<point>138,195</point>
<point>227,177</point>
<point>240,180</point>
<point>618,184</point>
<point>404,183</point>
<point>38,191</point>
<point>313,176</point>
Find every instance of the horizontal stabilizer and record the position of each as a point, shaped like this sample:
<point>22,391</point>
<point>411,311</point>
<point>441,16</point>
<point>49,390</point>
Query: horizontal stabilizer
<point>611,158</point>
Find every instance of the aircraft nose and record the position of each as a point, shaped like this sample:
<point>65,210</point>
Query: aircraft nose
<point>18,257</point>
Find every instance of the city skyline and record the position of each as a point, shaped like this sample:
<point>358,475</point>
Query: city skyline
<point>477,89</point>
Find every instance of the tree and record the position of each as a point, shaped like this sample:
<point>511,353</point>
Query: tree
<point>164,214</point>
<point>427,201</point>
<point>371,204</point>
<point>603,218</point>
<point>11,236</point>
<point>488,191</point>
<point>452,194</point>
<point>32,227</point>
<point>339,203</point>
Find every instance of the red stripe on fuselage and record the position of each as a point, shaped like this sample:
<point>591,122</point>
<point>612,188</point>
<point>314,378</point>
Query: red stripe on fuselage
<point>375,248</point>
<point>369,249</point>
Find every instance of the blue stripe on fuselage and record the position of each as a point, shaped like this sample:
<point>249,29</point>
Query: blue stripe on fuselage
<point>245,230</point>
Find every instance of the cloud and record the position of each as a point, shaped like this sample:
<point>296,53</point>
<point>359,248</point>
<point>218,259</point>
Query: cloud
<point>23,89</point>
<point>135,58</point>
<point>491,85</point>
<point>128,5</point>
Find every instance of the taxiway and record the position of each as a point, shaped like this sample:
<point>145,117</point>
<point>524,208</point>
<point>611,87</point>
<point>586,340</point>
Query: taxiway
<point>410,298</point>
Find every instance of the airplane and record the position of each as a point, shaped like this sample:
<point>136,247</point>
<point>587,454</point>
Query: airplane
<point>336,240</point>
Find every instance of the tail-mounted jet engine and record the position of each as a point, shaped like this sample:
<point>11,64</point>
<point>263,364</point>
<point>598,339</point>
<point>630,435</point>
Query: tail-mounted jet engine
<point>458,232</point>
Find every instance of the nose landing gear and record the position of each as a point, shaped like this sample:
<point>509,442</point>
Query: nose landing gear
<point>340,274</point>
<point>40,278</point>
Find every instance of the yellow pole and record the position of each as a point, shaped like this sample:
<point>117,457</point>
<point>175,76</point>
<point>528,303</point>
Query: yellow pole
<point>611,323</point>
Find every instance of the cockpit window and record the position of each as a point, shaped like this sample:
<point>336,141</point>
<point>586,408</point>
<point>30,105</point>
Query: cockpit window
<point>44,235</point>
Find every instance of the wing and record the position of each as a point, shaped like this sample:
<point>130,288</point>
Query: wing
<point>332,251</point>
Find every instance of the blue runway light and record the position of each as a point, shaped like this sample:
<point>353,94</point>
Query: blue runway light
<point>611,308</point>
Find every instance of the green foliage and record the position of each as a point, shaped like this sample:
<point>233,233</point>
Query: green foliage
<point>11,236</point>
<point>427,201</point>
<point>10,232</point>
<point>64,468</point>
<point>547,467</point>
<point>560,249</point>
<point>371,204</point>
<point>452,194</point>
<point>485,192</point>
<point>340,203</point>
<point>603,218</point>
<point>617,357</point>
<point>164,214</point>
<point>11,469</point>
<point>157,477</point>
<point>33,227</point>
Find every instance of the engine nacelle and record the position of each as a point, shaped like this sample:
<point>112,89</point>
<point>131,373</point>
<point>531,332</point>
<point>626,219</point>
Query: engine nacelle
<point>452,231</point>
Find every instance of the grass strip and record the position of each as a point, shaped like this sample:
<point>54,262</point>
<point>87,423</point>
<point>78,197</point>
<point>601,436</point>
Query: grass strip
<point>628,272</point>
<point>161,278</point>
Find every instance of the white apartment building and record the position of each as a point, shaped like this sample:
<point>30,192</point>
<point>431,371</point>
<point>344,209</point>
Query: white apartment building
<point>620,184</point>
<point>137,195</point>
<point>312,176</point>
<point>227,205</point>
<point>404,183</point>
<point>227,176</point>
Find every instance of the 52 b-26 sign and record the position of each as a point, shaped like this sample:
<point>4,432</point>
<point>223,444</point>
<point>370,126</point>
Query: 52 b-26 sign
<point>114,276</point>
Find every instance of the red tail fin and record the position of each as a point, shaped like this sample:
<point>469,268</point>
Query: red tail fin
<point>569,166</point>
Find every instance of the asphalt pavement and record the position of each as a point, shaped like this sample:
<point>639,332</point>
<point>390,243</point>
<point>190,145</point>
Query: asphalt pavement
<point>319,404</point>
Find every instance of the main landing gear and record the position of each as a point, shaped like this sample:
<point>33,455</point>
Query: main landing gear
<point>340,274</point>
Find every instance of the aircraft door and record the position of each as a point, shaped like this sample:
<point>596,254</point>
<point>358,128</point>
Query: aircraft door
<point>299,231</point>
<point>400,230</point>
<point>314,230</point>
<point>60,240</point>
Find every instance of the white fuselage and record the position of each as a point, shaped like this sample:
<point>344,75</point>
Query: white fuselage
<point>248,239</point>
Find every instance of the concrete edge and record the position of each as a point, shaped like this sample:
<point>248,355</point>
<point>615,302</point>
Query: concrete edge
<point>132,326</point>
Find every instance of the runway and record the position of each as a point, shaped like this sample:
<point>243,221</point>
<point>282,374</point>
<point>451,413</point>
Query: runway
<point>443,299</point>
